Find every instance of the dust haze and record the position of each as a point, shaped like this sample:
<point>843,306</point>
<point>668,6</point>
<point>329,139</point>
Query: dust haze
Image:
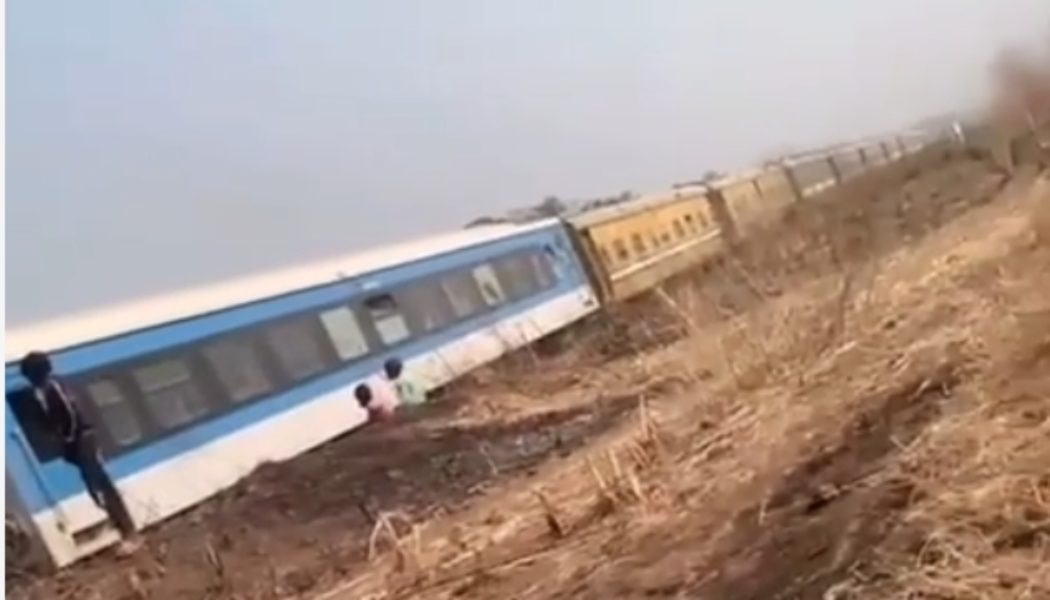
<point>154,147</point>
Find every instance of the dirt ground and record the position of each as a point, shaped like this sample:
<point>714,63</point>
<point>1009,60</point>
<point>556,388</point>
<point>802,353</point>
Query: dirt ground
<point>855,408</point>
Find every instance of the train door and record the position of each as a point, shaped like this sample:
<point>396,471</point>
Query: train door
<point>27,492</point>
<point>51,494</point>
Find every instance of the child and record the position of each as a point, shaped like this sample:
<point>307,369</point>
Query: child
<point>379,408</point>
<point>409,392</point>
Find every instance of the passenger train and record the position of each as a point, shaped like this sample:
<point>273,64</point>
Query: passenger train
<point>193,390</point>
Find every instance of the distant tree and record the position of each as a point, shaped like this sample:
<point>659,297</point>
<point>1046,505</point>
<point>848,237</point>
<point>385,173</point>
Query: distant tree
<point>481,221</point>
<point>711,175</point>
<point>552,206</point>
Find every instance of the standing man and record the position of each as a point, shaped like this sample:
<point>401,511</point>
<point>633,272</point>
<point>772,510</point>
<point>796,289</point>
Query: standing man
<point>64,420</point>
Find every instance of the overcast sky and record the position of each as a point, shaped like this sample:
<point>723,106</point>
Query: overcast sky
<point>154,145</point>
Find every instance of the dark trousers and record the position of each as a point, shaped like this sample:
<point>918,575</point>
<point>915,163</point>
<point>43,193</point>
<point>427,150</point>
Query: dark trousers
<point>84,454</point>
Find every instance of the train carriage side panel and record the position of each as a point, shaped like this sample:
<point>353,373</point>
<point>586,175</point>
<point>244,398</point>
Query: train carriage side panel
<point>814,174</point>
<point>776,190</point>
<point>637,250</point>
<point>743,198</point>
<point>723,216</point>
<point>851,162</point>
<point>671,249</point>
<point>297,358</point>
<point>872,155</point>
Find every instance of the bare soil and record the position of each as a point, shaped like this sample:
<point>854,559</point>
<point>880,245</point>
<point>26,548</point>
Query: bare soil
<point>856,407</point>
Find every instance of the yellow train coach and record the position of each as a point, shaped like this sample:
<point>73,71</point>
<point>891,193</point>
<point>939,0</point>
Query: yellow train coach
<point>634,246</point>
<point>754,196</point>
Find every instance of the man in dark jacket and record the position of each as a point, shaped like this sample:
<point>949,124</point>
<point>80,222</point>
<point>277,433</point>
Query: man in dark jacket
<point>64,420</point>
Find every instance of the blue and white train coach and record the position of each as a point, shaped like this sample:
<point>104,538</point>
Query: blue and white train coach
<point>193,390</point>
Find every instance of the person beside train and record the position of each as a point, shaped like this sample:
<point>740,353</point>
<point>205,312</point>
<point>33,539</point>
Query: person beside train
<point>61,418</point>
<point>410,392</point>
<point>379,399</point>
<point>391,393</point>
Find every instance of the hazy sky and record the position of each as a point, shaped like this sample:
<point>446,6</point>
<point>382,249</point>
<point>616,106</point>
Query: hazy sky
<point>154,145</point>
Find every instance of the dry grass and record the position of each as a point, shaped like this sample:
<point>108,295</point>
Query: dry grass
<point>872,387</point>
<point>1041,213</point>
<point>667,491</point>
<point>985,513</point>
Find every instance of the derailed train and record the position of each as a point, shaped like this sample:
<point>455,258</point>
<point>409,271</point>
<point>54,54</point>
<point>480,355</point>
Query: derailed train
<point>631,248</point>
<point>193,390</point>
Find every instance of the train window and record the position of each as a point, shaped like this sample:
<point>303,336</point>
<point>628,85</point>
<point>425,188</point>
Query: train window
<point>703,219</point>
<point>606,257</point>
<point>343,329</point>
<point>519,276</point>
<point>665,237</point>
<point>541,266</point>
<point>170,393</point>
<point>679,231</point>
<point>621,250</point>
<point>557,258</point>
<point>116,413</point>
<point>638,243</point>
<point>488,283</point>
<point>239,369</point>
<point>390,323</point>
<point>690,224</point>
<point>297,347</point>
<point>428,304</point>
<point>655,239</point>
<point>463,293</point>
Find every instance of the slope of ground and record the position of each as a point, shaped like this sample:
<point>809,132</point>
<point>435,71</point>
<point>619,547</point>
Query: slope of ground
<point>905,459</point>
<point>801,419</point>
<point>905,455</point>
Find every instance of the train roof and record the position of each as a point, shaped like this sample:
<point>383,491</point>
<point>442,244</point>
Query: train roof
<point>622,209</point>
<point>867,142</point>
<point>141,313</point>
<point>738,177</point>
<point>616,211</point>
